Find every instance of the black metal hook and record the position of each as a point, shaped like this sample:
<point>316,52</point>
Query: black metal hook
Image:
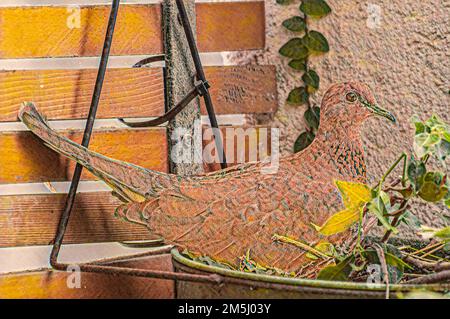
<point>198,90</point>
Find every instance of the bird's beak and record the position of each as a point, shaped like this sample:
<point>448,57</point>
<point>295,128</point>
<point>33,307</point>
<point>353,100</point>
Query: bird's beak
<point>381,112</point>
<point>375,109</point>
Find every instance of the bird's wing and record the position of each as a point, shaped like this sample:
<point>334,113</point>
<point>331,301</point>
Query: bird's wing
<point>225,220</point>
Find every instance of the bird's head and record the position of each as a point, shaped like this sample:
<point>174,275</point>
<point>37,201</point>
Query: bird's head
<point>350,104</point>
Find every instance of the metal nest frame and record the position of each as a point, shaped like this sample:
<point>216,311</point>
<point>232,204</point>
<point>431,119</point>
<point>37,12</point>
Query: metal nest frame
<point>200,89</point>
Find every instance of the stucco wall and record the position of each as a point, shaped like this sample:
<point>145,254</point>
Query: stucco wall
<point>404,58</point>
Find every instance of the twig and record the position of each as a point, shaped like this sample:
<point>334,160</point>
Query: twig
<point>421,264</point>
<point>424,249</point>
<point>440,266</point>
<point>429,253</point>
<point>403,157</point>
<point>301,245</point>
<point>394,222</point>
<point>382,258</point>
<point>396,182</point>
<point>426,259</point>
<point>439,277</point>
<point>319,265</point>
<point>392,189</point>
<point>413,275</point>
<point>399,211</point>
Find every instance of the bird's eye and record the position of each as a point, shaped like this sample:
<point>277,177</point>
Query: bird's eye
<point>351,97</point>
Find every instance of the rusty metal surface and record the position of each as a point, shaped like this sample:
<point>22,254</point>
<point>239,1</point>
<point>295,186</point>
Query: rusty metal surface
<point>50,284</point>
<point>240,285</point>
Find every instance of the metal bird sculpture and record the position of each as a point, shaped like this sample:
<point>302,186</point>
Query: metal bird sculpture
<point>226,213</point>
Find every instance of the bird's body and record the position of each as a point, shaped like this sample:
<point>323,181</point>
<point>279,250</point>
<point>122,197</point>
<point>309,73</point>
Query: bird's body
<point>227,213</point>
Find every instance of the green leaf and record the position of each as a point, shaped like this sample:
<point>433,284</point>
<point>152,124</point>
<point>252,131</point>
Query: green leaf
<point>303,141</point>
<point>416,172</point>
<point>340,272</point>
<point>446,136</point>
<point>391,259</point>
<point>294,49</point>
<point>340,222</point>
<point>355,196</point>
<point>444,233</point>
<point>410,219</point>
<point>316,42</point>
<point>312,117</point>
<point>429,232</point>
<point>298,64</point>
<point>443,150</point>
<point>378,208</point>
<point>419,145</point>
<point>315,8</point>
<point>447,202</point>
<point>295,24</point>
<point>396,266</point>
<point>434,120</point>
<point>311,78</point>
<point>432,138</point>
<point>447,247</point>
<point>284,2</point>
<point>433,188</point>
<point>420,127</point>
<point>298,96</point>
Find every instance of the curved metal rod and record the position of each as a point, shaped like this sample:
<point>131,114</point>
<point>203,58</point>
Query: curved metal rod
<point>160,274</point>
<point>151,59</point>
<point>169,115</point>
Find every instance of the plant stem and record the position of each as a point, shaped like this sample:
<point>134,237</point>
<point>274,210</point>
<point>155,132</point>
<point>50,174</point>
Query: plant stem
<point>427,248</point>
<point>439,277</point>
<point>382,258</point>
<point>429,253</point>
<point>394,222</point>
<point>404,157</point>
<point>301,245</point>
<point>361,216</point>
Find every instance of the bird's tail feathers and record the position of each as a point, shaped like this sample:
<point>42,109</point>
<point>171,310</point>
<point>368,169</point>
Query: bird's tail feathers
<point>128,181</point>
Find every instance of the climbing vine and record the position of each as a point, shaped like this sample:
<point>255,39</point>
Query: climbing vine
<point>306,43</point>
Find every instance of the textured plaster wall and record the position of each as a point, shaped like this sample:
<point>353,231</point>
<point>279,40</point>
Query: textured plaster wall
<point>405,59</point>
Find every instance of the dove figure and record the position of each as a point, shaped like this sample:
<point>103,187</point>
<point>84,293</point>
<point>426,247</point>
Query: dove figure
<point>227,213</point>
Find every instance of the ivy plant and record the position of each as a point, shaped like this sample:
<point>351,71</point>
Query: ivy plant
<point>391,206</point>
<point>305,43</point>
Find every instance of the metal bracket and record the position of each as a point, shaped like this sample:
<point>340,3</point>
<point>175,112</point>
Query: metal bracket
<point>201,86</point>
<point>200,89</point>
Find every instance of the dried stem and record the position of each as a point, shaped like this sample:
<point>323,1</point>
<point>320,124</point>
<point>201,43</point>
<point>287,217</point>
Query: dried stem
<point>439,277</point>
<point>382,258</point>
<point>394,222</point>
